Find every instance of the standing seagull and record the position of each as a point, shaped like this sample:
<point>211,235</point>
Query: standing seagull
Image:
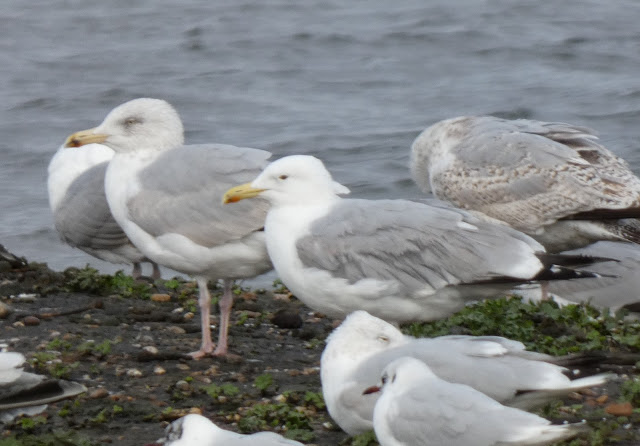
<point>418,408</point>
<point>80,210</point>
<point>166,198</point>
<point>196,430</point>
<point>550,180</point>
<point>399,260</point>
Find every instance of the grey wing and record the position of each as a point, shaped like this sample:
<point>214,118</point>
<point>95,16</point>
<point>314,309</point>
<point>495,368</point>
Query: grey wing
<point>181,192</point>
<point>531,173</point>
<point>83,218</point>
<point>415,244</point>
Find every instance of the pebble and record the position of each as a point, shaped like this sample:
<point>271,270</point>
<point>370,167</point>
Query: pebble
<point>619,409</point>
<point>134,373</point>
<point>54,334</point>
<point>176,330</point>
<point>602,399</point>
<point>146,339</point>
<point>189,316</point>
<point>183,367</point>
<point>159,370</point>
<point>100,392</point>
<point>5,310</point>
<point>178,310</point>
<point>160,297</point>
<point>183,385</point>
<point>150,349</point>
<point>18,324</point>
<point>31,321</point>
<point>287,319</point>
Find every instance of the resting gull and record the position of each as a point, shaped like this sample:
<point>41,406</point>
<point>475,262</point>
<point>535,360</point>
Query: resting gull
<point>196,430</point>
<point>166,198</point>
<point>80,209</point>
<point>363,345</point>
<point>399,260</point>
<point>551,180</point>
<point>418,408</point>
<point>27,393</point>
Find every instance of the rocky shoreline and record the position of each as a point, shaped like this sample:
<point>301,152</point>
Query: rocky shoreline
<point>126,341</point>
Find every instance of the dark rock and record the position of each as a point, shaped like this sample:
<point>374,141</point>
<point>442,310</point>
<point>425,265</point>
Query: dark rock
<point>287,319</point>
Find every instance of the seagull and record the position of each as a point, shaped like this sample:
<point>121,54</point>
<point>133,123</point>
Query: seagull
<point>399,260</point>
<point>363,345</point>
<point>27,393</point>
<point>196,430</point>
<point>80,209</point>
<point>550,180</point>
<point>166,198</point>
<point>417,408</point>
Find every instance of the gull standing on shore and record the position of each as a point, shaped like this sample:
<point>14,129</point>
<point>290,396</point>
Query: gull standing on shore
<point>166,197</point>
<point>80,210</point>
<point>399,260</point>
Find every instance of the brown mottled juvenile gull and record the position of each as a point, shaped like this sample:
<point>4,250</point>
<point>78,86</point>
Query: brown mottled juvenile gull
<point>196,430</point>
<point>27,393</point>
<point>397,259</point>
<point>551,180</point>
<point>166,197</point>
<point>418,408</point>
<point>80,210</point>
<point>363,345</point>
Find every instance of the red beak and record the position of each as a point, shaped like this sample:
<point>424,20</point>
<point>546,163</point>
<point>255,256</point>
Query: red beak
<point>372,389</point>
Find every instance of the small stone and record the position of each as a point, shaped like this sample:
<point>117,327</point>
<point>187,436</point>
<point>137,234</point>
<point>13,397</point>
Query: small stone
<point>183,385</point>
<point>619,409</point>
<point>100,392</point>
<point>183,367</point>
<point>5,310</point>
<point>602,399</point>
<point>146,339</point>
<point>159,370</point>
<point>196,410</point>
<point>150,349</point>
<point>160,297</point>
<point>176,330</point>
<point>87,317</point>
<point>134,373</point>
<point>31,321</point>
<point>575,396</point>
<point>189,316</point>
<point>287,319</point>
<point>284,297</point>
<point>280,398</point>
<point>54,334</point>
<point>120,370</point>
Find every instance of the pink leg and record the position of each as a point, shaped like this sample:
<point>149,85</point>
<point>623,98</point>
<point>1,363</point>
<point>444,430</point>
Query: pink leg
<point>226,302</point>
<point>205,308</point>
<point>544,290</point>
<point>156,271</point>
<point>137,271</point>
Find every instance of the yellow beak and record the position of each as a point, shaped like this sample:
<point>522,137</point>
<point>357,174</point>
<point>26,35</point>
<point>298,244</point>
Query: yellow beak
<point>85,137</point>
<point>241,192</point>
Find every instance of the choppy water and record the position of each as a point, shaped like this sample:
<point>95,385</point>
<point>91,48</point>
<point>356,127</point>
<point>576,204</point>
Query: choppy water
<point>352,82</point>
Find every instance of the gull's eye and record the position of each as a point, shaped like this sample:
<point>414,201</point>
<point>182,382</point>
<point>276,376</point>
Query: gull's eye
<point>384,379</point>
<point>283,177</point>
<point>131,121</point>
<point>393,379</point>
<point>383,338</point>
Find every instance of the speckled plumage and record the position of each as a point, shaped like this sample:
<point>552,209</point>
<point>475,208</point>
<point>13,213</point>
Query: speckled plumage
<point>533,175</point>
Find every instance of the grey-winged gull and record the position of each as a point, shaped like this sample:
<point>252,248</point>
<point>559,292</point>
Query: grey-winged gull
<point>166,197</point>
<point>363,345</point>
<point>418,408</point>
<point>196,430</point>
<point>551,180</point>
<point>399,260</point>
<point>27,393</point>
<point>80,210</point>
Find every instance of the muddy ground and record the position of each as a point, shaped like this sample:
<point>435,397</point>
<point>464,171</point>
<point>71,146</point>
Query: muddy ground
<point>129,351</point>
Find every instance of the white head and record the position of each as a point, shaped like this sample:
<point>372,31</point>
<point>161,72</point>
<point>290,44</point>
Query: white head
<point>191,430</point>
<point>400,374</point>
<point>292,180</point>
<point>140,124</point>
<point>362,335</point>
